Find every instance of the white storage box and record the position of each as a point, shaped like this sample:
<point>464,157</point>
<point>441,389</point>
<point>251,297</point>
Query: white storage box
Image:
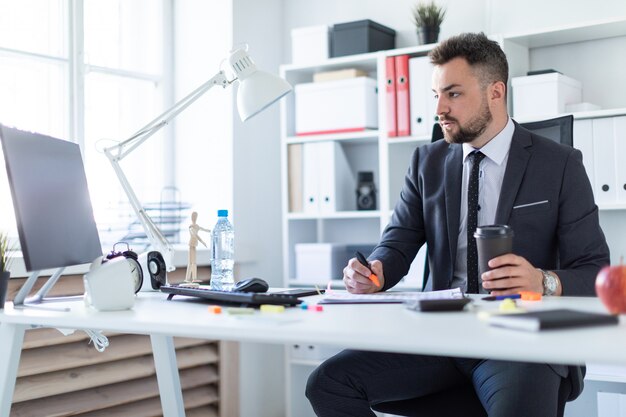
<point>544,95</point>
<point>310,45</point>
<point>319,262</point>
<point>336,106</point>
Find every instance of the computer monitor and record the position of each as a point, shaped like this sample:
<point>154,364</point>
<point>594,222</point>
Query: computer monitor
<point>559,129</point>
<point>51,200</point>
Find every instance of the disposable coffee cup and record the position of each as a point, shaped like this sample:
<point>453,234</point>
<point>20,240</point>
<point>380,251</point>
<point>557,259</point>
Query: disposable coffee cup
<point>492,241</point>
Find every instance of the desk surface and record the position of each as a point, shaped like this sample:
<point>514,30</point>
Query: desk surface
<point>390,328</point>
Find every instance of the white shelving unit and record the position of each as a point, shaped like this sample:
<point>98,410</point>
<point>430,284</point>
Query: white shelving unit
<point>389,158</point>
<point>372,151</point>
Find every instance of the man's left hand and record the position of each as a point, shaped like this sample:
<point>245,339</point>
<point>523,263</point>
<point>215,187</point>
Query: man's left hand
<point>511,274</point>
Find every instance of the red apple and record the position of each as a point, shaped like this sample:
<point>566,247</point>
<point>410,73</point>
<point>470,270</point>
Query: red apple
<point>611,288</point>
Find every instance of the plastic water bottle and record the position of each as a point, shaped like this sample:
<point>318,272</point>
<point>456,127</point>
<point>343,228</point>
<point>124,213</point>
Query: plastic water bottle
<point>222,253</point>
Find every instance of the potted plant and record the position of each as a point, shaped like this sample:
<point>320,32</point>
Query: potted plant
<point>427,18</point>
<point>5,261</point>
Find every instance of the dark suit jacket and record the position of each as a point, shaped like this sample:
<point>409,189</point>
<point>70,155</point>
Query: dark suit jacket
<point>561,233</point>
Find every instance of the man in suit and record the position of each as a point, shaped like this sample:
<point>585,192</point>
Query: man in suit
<point>534,185</point>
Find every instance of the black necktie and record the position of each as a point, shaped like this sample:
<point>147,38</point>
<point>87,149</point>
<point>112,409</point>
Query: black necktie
<point>472,220</point>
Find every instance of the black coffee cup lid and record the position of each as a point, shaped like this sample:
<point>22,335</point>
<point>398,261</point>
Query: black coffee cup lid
<point>494,230</point>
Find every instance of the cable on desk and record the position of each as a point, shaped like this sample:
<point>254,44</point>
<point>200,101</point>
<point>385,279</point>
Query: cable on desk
<point>100,341</point>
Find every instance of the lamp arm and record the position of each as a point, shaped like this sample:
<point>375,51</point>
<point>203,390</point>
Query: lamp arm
<point>118,152</point>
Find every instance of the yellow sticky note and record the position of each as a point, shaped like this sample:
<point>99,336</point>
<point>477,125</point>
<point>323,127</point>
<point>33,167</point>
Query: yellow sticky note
<point>271,308</point>
<point>240,310</point>
<point>508,305</point>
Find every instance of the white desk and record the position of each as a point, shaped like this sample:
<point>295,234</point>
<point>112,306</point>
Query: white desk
<point>389,328</point>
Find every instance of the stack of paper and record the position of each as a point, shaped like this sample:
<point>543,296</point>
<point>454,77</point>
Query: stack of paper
<point>388,297</point>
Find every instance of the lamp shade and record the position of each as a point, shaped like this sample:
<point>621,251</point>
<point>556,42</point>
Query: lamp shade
<point>257,89</point>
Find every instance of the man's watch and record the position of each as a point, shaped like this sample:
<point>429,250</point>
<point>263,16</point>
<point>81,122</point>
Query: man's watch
<point>550,283</point>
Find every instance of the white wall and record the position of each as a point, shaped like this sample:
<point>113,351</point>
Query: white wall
<point>257,209</point>
<point>513,16</point>
<point>204,131</point>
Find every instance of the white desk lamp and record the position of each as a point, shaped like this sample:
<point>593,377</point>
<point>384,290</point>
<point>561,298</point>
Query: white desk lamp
<point>257,90</point>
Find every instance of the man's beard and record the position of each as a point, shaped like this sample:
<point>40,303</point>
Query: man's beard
<point>473,129</point>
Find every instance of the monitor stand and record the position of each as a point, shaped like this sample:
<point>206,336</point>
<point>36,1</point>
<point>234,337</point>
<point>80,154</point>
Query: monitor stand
<point>39,300</point>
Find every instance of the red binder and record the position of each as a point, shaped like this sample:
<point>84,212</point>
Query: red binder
<point>403,107</point>
<point>390,74</point>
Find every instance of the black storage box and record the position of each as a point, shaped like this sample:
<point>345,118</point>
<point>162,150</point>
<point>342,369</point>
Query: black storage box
<point>360,37</point>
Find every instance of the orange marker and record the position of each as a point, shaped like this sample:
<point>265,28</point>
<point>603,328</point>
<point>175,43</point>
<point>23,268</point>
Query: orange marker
<point>215,309</point>
<point>530,296</point>
<point>373,277</point>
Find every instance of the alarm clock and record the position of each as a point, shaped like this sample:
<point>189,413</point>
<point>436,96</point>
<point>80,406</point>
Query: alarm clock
<point>133,259</point>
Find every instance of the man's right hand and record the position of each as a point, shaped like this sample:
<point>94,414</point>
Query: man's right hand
<point>356,277</point>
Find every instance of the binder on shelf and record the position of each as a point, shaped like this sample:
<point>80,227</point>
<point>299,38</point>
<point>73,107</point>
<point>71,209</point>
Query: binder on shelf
<point>390,93</point>
<point>619,136</point>
<point>328,184</point>
<point>310,169</point>
<point>422,102</point>
<point>604,161</point>
<point>403,109</point>
<point>337,184</point>
<point>583,141</point>
<point>294,180</point>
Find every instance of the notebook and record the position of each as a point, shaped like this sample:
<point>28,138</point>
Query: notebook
<point>250,299</point>
<point>552,319</point>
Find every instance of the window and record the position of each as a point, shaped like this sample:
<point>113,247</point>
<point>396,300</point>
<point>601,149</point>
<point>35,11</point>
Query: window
<point>94,72</point>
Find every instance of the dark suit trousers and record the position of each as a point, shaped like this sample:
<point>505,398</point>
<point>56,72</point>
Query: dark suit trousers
<point>348,383</point>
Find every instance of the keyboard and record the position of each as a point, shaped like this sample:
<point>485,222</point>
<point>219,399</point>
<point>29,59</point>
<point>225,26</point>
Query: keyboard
<point>249,299</point>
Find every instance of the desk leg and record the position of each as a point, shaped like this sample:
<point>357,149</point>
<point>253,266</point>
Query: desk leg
<point>167,376</point>
<point>11,339</point>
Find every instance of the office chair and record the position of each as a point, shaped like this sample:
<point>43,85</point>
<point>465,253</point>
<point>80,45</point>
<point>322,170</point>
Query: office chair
<point>559,129</point>
<point>462,400</point>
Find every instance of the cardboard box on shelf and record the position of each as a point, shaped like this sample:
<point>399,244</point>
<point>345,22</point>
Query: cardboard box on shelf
<point>323,76</point>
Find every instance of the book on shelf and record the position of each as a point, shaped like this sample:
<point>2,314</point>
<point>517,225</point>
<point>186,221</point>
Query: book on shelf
<point>294,180</point>
<point>552,319</point>
<point>338,75</point>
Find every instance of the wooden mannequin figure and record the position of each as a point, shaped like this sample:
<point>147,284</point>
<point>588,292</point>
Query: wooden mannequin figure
<point>191,279</point>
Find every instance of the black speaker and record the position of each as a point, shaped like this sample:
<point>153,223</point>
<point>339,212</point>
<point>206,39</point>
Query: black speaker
<point>366,191</point>
<point>156,269</point>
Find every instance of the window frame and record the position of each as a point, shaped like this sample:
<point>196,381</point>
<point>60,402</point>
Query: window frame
<point>77,70</point>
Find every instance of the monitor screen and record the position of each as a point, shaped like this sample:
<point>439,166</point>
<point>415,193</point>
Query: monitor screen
<point>53,210</point>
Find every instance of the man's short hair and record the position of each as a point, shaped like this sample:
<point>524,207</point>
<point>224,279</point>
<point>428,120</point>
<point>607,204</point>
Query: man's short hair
<point>483,55</point>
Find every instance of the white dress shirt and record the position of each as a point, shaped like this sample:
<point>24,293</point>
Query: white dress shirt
<point>490,179</point>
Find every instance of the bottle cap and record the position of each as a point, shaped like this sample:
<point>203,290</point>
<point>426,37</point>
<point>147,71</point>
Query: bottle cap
<point>222,213</point>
